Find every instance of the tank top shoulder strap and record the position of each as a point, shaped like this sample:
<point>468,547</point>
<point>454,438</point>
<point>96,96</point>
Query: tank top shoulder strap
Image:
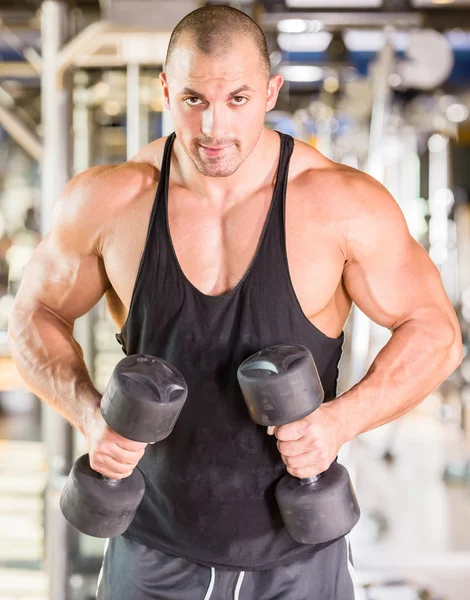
<point>274,234</point>
<point>159,201</point>
<point>162,188</point>
<point>151,241</point>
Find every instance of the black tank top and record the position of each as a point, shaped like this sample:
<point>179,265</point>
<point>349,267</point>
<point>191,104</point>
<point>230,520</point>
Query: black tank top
<point>210,485</point>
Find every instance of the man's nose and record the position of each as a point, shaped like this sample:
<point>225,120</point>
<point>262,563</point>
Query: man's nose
<point>215,122</point>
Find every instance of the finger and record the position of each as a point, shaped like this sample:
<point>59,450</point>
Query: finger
<point>271,430</point>
<point>291,431</point>
<point>300,461</point>
<point>128,445</point>
<point>125,457</point>
<point>295,448</point>
<point>112,475</point>
<point>100,463</point>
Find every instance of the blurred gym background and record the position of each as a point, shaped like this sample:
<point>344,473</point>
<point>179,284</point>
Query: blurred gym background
<point>381,85</point>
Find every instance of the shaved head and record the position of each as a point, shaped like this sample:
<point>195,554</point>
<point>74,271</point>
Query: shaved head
<point>212,30</point>
<point>218,87</point>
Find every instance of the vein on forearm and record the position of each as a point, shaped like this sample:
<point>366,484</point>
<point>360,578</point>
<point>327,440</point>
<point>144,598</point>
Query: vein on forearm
<point>421,353</point>
<point>50,362</point>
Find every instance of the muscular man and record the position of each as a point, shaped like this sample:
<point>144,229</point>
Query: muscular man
<point>218,241</point>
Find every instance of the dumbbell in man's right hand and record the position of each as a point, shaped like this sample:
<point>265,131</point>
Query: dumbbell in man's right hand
<point>140,405</point>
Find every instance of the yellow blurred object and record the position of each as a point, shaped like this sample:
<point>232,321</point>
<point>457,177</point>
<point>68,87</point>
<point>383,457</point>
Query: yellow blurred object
<point>9,377</point>
<point>157,104</point>
<point>331,84</point>
<point>312,140</point>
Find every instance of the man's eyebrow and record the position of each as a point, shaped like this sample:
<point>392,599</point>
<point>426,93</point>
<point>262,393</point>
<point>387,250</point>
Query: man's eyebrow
<point>191,92</point>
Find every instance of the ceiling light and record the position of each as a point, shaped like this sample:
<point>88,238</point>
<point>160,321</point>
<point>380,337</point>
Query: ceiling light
<point>361,40</point>
<point>301,73</point>
<point>304,42</point>
<point>299,26</point>
<point>291,25</point>
<point>334,3</point>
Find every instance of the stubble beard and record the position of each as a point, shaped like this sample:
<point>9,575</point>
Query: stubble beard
<point>216,167</point>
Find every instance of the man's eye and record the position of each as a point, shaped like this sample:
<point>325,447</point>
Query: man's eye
<point>240,100</point>
<point>187,100</point>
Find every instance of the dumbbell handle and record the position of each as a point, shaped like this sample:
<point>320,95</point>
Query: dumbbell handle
<point>110,480</point>
<point>309,479</point>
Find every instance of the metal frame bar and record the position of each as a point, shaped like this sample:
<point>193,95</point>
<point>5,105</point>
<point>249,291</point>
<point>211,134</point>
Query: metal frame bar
<point>22,135</point>
<point>338,20</point>
<point>381,70</point>
<point>133,110</point>
<point>56,432</point>
<point>78,44</point>
<point>18,70</point>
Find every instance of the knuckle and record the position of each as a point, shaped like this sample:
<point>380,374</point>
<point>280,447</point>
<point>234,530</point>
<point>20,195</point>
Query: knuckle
<point>138,446</point>
<point>309,431</point>
<point>94,463</point>
<point>122,475</point>
<point>282,433</point>
<point>316,444</point>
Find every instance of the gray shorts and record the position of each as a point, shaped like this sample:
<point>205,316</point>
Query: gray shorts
<point>134,572</point>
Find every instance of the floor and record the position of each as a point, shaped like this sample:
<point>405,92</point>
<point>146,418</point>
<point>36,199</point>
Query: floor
<point>413,539</point>
<point>415,526</point>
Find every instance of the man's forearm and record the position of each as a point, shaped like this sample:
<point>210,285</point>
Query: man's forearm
<point>420,354</point>
<point>50,362</point>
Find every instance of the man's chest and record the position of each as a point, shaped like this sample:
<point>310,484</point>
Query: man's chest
<point>215,251</point>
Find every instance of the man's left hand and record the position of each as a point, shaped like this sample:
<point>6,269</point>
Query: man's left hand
<point>309,446</point>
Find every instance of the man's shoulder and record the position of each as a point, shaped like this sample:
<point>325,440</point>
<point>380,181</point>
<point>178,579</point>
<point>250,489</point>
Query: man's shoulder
<point>337,184</point>
<point>92,200</point>
<point>351,205</point>
<point>114,184</point>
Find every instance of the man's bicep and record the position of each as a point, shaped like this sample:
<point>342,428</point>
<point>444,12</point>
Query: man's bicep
<point>388,274</point>
<point>66,274</point>
<point>64,281</point>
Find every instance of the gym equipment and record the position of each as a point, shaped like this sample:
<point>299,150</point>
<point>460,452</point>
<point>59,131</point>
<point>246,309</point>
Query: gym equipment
<point>281,385</point>
<point>428,60</point>
<point>142,402</point>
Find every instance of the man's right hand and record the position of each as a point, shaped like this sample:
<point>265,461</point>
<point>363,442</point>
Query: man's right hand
<point>111,454</point>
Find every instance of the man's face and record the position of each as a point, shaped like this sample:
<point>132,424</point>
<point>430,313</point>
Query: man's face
<point>218,104</point>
